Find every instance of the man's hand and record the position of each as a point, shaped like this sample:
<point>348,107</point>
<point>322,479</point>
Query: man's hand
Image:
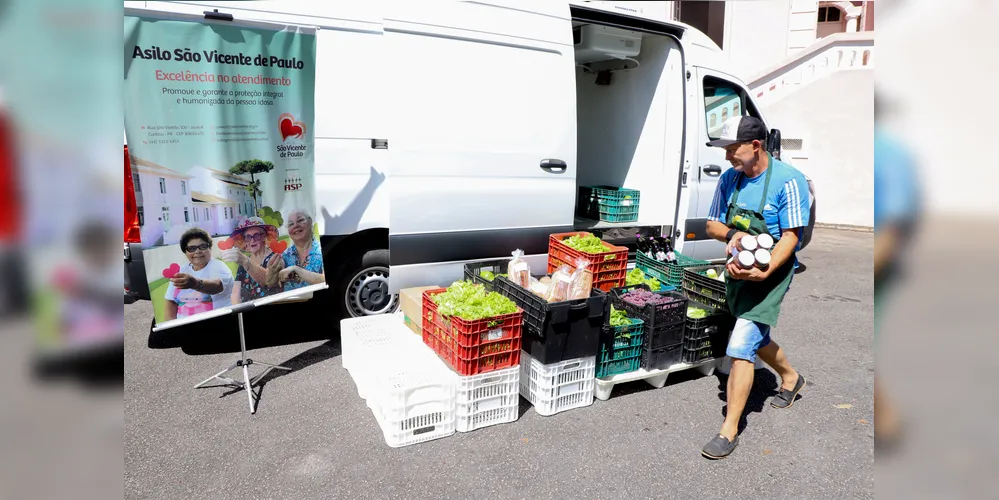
<point>184,281</point>
<point>735,243</point>
<point>752,274</point>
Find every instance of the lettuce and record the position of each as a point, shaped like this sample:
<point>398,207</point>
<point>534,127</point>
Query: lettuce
<point>470,302</point>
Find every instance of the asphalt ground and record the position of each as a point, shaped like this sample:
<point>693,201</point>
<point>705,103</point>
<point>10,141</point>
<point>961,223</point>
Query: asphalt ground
<point>313,437</point>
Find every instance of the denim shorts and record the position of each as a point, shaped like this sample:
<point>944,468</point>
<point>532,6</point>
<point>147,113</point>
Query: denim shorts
<point>747,338</point>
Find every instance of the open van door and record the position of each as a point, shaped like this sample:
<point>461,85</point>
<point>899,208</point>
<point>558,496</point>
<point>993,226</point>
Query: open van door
<point>720,98</point>
<point>483,137</point>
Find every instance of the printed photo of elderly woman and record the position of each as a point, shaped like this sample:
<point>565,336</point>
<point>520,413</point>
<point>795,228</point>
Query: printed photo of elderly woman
<point>252,253</point>
<point>301,264</point>
<point>203,284</point>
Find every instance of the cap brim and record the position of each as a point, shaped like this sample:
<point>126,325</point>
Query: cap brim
<point>721,143</point>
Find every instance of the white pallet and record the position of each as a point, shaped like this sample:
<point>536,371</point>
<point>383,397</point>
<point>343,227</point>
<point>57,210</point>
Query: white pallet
<point>487,399</point>
<point>557,387</point>
<point>656,378</point>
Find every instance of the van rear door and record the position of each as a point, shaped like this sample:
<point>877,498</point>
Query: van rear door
<point>483,137</point>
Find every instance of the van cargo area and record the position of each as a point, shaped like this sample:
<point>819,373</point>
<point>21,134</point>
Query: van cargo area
<point>626,134</point>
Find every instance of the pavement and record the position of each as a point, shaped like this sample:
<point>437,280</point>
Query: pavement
<point>313,437</point>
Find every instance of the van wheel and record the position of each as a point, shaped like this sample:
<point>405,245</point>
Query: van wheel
<point>364,290</point>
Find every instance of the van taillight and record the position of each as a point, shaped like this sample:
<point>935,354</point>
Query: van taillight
<point>132,234</point>
<point>10,196</point>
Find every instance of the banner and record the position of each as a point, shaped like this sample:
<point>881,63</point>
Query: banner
<point>218,122</point>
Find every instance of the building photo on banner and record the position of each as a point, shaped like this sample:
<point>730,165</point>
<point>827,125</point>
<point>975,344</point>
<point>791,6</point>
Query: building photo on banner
<point>218,122</point>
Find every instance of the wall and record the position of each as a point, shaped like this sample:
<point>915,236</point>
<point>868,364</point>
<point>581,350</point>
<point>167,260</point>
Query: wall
<point>756,34</point>
<point>837,142</point>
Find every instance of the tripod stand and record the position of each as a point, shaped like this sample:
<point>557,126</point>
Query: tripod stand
<point>244,363</point>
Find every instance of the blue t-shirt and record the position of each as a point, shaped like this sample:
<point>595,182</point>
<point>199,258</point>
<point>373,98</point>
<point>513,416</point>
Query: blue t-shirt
<point>787,201</point>
<point>896,190</point>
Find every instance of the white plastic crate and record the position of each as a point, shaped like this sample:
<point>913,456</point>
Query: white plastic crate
<point>370,343</point>
<point>414,406</point>
<point>557,387</point>
<point>487,399</point>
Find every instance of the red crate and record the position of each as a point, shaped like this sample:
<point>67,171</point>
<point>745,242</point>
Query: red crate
<point>606,280</point>
<point>472,347</point>
<point>613,260</point>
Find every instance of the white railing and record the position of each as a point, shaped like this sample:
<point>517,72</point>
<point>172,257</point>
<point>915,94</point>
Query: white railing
<point>838,52</point>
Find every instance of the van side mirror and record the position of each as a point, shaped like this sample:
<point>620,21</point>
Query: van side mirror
<point>773,143</point>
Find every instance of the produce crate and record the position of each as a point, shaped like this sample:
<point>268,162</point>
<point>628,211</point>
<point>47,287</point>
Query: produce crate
<point>661,337</point>
<point>712,290</point>
<point>625,365</point>
<point>608,268</point>
<point>608,204</point>
<point>662,358</point>
<point>487,399</point>
<point>496,266</point>
<point>472,347</point>
<point>717,320</point>
<point>613,337</point>
<point>670,273</point>
<point>656,317</point>
<point>558,331</point>
<point>557,387</point>
<point>693,344</point>
<point>414,405</point>
<point>695,355</point>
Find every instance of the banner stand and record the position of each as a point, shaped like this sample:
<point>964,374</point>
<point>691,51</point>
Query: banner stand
<point>244,363</point>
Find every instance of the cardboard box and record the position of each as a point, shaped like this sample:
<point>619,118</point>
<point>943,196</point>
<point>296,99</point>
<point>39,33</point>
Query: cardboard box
<point>411,305</point>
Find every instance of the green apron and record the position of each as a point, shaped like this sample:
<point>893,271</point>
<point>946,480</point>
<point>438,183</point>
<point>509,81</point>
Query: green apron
<point>756,300</point>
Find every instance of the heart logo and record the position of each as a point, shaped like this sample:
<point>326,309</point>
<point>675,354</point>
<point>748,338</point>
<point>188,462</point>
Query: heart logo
<point>289,127</point>
<point>226,244</point>
<point>279,246</point>
<point>171,271</point>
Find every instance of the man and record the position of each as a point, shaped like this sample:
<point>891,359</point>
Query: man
<point>759,194</point>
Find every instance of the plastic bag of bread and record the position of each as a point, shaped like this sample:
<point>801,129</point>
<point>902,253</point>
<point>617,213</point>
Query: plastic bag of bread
<point>581,284</point>
<point>518,271</point>
<point>559,289</point>
<point>540,287</point>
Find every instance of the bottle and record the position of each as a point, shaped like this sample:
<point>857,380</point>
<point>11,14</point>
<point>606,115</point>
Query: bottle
<point>765,241</point>
<point>644,246</point>
<point>668,247</point>
<point>748,243</point>
<point>746,259</point>
<point>660,249</point>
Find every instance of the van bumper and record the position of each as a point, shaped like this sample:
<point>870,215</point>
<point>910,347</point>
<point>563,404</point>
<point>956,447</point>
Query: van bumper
<point>136,286</point>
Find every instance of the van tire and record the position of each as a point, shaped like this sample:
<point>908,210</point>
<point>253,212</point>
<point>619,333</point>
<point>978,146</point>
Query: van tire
<point>361,287</point>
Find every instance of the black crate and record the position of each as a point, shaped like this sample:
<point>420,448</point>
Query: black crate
<point>655,316</point>
<point>695,355</point>
<point>662,358</point>
<point>658,339</point>
<point>704,299</point>
<point>693,344</point>
<point>694,280</point>
<point>496,266</point>
<point>558,331</point>
<point>717,320</point>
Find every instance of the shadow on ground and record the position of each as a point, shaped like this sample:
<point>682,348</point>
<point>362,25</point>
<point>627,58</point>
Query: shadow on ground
<point>765,386</point>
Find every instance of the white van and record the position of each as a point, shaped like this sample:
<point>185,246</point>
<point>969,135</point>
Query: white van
<point>460,131</point>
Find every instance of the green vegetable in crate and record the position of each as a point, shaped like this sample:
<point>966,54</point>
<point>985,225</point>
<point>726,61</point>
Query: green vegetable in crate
<point>711,273</point>
<point>587,244</point>
<point>619,317</point>
<point>696,313</point>
<point>487,275</point>
<point>637,277</point>
<point>470,301</point>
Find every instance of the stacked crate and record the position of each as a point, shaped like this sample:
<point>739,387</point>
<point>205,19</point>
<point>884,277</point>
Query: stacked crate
<point>609,268</point>
<point>664,326</point>
<point>621,349</point>
<point>556,387</point>
<point>608,203</point>
<point>484,356</point>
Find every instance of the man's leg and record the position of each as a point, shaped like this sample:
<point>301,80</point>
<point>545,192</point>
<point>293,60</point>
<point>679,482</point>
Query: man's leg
<point>747,337</point>
<point>773,355</point>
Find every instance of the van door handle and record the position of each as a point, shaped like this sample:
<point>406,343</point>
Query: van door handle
<point>712,170</point>
<point>553,166</point>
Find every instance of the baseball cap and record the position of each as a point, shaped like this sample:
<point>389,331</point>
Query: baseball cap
<point>740,129</point>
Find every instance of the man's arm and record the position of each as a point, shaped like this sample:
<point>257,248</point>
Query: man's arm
<point>885,243</point>
<point>716,227</point>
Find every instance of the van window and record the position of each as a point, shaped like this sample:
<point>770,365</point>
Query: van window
<point>722,100</point>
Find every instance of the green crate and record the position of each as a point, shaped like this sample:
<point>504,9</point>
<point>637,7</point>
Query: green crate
<point>670,273</point>
<point>620,366</point>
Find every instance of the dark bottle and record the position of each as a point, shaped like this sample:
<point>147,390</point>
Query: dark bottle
<point>670,255</point>
<point>659,253</point>
<point>644,245</point>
